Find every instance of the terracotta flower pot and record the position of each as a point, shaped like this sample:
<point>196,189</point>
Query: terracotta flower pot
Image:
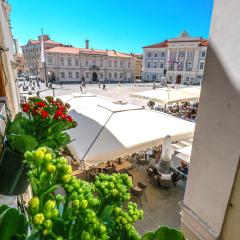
<point>13,173</point>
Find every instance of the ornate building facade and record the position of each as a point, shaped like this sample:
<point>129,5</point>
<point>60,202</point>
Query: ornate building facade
<point>31,53</point>
<point>181,59</point>
<point>70,64</point>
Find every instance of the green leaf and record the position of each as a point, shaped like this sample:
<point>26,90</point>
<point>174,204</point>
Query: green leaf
<point>59,227</point>
<point>164,233</point>
<point>106,212</point>
<point>12,223</point>
<point>3,208</point>
<point>22,143</point>
<point>148,236</point>
<point>33,236</point>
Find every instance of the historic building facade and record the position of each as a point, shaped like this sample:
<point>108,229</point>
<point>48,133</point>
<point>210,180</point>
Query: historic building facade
<point>32,51</point>
<point>180,59</point>
<point>70,64</point>
<point>8,64</point>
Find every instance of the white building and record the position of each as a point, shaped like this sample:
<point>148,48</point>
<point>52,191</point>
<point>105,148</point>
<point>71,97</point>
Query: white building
<point>32,51</point>
<point>182,59</point>
<point>70,64</point>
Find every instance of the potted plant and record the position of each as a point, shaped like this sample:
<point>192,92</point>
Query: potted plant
<point>42,122</point>
<point>87,211</point>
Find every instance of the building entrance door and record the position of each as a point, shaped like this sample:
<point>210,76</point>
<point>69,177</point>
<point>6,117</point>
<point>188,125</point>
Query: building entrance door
<point>179,79</point>
<point>94,77</point>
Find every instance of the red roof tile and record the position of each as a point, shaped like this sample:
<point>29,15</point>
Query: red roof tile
<point>158,45</point>
<point>203,42</point>
<point>73,50</point>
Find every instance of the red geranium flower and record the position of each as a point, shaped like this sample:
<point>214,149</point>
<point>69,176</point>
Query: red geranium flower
<point>44,114</point>
<point>69,119</point>
<point>60,107</point>
<point>41,104</point>
<point>34,111</point>
<point>58,114</point>
<point>25,107</point>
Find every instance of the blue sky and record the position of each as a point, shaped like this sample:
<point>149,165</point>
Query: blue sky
<point>124,25</point>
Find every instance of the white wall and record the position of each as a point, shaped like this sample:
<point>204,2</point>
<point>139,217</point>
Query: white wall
<point>216,143</point>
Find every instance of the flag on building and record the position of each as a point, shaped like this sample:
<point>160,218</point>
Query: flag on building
<point>42,50</point>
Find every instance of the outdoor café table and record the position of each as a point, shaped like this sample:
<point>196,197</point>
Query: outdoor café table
<point>125,165</point>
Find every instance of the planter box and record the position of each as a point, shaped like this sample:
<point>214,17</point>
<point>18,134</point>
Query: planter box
<point>13,173</point>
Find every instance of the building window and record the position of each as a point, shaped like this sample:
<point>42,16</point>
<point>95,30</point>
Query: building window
<point>76,62</point>
<point>203,54</point>
<point>69,62</point>
<point>110,64</point>
<point>62,75</point>
<point>154,77</point>
<point>170,78</point>
<point>110,75</point>
<point>160,76</point>
<point>50,62</point>
<point>201,66</point>
<point>86,63</point>
<point>148,65</point>
<point>121,64</point>
<point>180,66</point>
<point>115,63</point>
<point>149,54</point>
<point>187,79</point>
<point>161,65</point>
<point>155,55</point>
<point>77,74</point>
<point>121,75</point>
<point>162,54</point>
<point>115,75</point>
<point>147,76</point>
<point>62,61</point>
<point>129,64</point>
<point>181,54</point>
<point>69,75</point>
<point>101,63</point>
<point>94,63</point>
<point>154,64</point>
<point>87,75</point>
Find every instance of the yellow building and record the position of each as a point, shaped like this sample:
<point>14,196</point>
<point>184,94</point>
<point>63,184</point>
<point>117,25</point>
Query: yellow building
<point>137,69</point>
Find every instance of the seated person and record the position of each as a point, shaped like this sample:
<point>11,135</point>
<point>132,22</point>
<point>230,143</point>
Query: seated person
<point>109,165</point>
<point>183,168</point>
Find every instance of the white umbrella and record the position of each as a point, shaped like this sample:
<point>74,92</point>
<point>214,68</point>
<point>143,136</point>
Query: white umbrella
<point>107,130</point>
<point>166,95</point>
<point>184,153</point>
<point>194,91</point>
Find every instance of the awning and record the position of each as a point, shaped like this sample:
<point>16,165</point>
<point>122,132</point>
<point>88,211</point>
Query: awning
<point>168,95</point>
<point>107,129</point>
<point>184,154</point>
<point>194,91</point>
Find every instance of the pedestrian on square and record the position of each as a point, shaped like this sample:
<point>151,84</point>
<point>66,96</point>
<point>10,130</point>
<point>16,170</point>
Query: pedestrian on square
<point>61,83</point>
<point>104,87</point>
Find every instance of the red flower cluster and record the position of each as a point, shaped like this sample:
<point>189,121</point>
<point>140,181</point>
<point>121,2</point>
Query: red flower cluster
<point>44,114</point>
<point>48,109</point>
<point>41,104</point>
<point>59,114</point>
<point>26,107</point>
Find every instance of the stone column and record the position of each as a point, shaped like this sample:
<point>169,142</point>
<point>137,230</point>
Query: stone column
<point>165,162</point>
